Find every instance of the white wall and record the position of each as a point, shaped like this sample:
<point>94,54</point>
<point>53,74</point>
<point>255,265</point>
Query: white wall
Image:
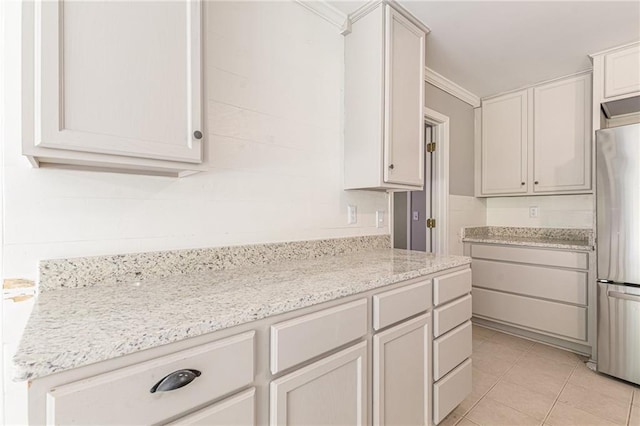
<point>274,81</point>
<point>464,211</point>
<point>274,85</point>
<point>562,211</point>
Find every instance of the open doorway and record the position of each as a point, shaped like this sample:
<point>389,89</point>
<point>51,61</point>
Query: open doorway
<point>420,217</point>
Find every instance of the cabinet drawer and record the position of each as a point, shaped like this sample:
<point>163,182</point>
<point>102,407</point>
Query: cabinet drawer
<point>395,305</point>
<point>123,396</point>
<point>305,337</point>
<point>237,410</point>
<point>548,283</point>
<point>448,287</point>
<point>451,391</point>
<point>451,349</point>
<point>541,315</point>
<point>566,259</point>
<point>451,315</point>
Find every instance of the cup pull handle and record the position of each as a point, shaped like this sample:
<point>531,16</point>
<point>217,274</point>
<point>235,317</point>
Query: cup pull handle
<point>175,380</point>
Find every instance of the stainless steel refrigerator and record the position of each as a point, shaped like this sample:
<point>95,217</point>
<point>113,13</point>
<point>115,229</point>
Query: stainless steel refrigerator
<point>618,241</point>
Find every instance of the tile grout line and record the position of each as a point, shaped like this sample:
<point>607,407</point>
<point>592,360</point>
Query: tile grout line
<point>525,352</point>
<point>482,396</point>
<point>575,367</point>
<point>633,399</point>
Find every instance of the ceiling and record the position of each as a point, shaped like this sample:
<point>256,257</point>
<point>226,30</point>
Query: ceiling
<point>489,47</point>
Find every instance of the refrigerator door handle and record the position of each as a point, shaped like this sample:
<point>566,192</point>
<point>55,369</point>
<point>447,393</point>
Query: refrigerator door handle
<point>625,296</point>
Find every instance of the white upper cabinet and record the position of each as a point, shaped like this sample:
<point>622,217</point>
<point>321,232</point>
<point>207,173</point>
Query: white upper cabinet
<point>384,101</point>
<point>562,135</point>
<point>114,82</point>
<point>404,84</point>
<point>622,72</point>
<point>616,86</point>
<point>538,140</point>
<point>504,144</point>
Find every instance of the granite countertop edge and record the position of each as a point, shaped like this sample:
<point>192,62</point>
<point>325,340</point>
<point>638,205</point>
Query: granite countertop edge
<point>531,243</point>
<point>53,341</point>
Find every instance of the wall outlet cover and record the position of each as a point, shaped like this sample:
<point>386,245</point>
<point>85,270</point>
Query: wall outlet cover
<point>352,214</point>
<point>533,211</point>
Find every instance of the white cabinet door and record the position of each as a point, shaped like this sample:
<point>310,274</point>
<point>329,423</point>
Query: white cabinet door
<point>562,135</point>
<point>329,392</point>
<point>119,78</point>
<point>504,144</point>
<point>622,72</point>
<point>401,379</point>
<point>404,94</point>
<point>237,410</point>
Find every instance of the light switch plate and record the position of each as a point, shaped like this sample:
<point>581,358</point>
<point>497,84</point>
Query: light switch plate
<point>379,218</point>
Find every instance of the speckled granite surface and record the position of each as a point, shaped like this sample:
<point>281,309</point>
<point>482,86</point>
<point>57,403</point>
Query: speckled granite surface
<point>75,327</point>
<point>564,238</point>
<point>89,271</point>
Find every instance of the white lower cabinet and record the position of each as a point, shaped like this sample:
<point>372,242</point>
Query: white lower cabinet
<point>150,392</point>
<point>446,392</point>
<point>401,382</point>
<point>451,349</point>
<point>452,345</point>
<point>237,410</point>
<point>540,293</point>
<point>331,391</point>
<point>309,367</point>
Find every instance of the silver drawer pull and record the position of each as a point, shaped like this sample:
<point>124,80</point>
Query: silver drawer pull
<point>175,380</point>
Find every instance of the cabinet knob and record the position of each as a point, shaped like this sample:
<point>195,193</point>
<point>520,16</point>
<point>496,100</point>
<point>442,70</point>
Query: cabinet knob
<point>197,134</point>
<point>535,183</point>
<point>391,166</point>
<point>175,380</point>
<point>522,183</point>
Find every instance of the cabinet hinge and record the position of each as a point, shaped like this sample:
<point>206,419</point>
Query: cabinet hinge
<point>431,147</point>
<point>431,223</point>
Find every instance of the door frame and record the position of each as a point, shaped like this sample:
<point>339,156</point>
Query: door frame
<point>440,125</point>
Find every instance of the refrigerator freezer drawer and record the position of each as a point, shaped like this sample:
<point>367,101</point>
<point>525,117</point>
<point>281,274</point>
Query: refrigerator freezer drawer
<point>619,331</point>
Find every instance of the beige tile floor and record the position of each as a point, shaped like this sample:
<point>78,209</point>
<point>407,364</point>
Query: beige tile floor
<point>519,382</point>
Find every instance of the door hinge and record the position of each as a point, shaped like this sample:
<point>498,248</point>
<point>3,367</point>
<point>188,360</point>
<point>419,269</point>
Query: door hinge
<point>431,223</point>
<point>431,147</point>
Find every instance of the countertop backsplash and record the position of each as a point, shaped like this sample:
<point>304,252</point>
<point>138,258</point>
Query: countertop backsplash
<point>89,271</point>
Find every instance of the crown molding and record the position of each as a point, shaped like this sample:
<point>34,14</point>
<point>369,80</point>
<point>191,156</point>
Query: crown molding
<point>441,82</point>
<point>372,4</point>
<point>613,49</point>
<point>343,21</point>
<point>329,13</point>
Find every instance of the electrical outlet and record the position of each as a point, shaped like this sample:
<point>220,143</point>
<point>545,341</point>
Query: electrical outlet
<point>379,218</point>
<point>533,211</point>
<point>352,214</point>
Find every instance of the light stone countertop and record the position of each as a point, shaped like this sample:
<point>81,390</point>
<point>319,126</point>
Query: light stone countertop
<point>71,328</point>
<point>562,238</point>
